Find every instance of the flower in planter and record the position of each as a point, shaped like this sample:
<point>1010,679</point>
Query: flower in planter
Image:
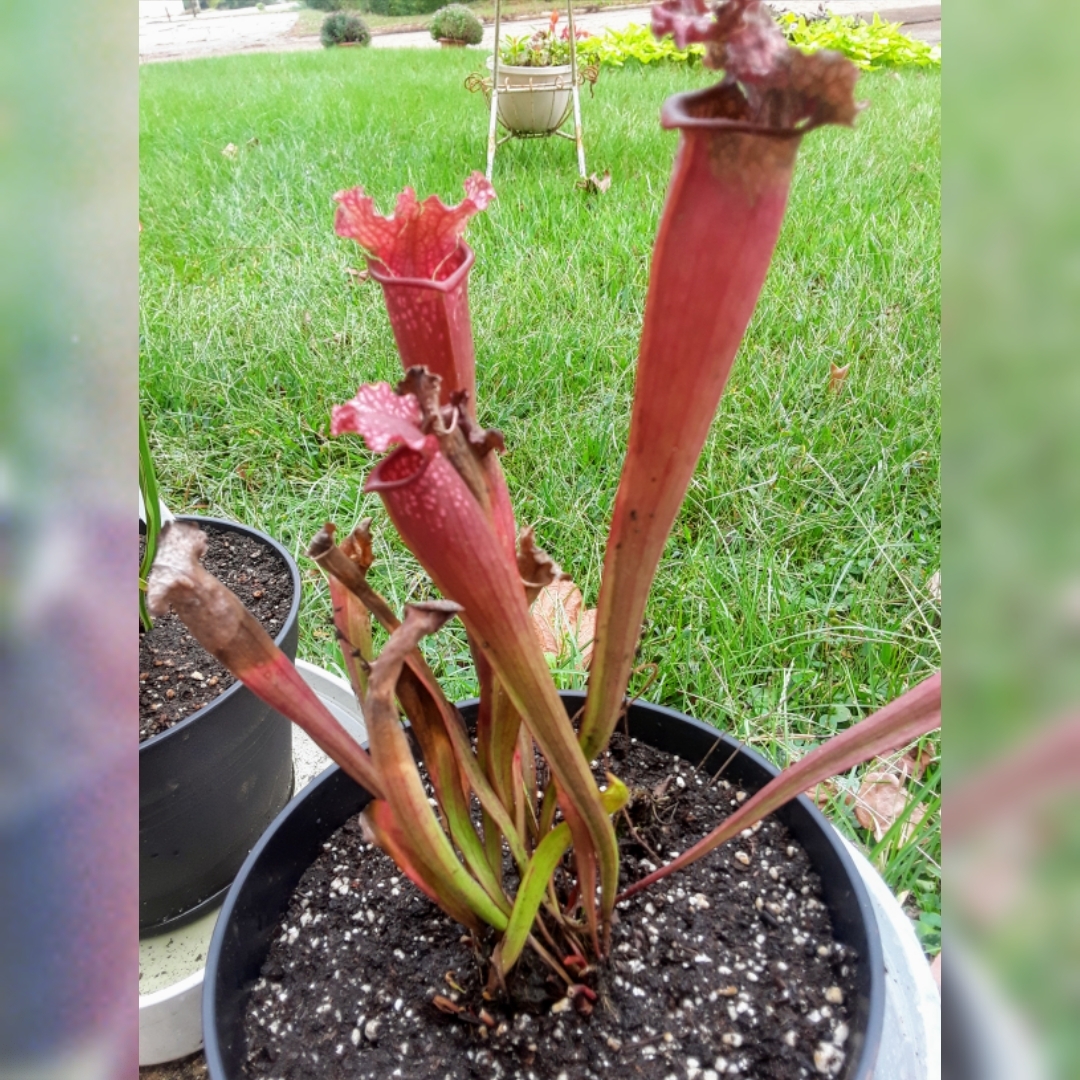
<point>444,493</point>
<point>544,48</point>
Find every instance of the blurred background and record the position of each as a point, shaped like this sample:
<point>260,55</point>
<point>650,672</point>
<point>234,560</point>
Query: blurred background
<point>1011,572</point>
<point>1011,580</point>
<point>68,470</point>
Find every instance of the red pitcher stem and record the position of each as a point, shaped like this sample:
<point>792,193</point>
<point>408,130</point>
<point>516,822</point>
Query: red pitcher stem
<point>720,223</point>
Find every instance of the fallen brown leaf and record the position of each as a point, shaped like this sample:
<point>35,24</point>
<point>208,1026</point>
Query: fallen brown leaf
<point>880,801</point>
<point>822,794</point>
<point>562,623</point>
<point>357,277</point>
<point>596,185</point>
<point>933,586</point>
<point>837,375</point>
<point>914,765</point>
<point>230,151</point>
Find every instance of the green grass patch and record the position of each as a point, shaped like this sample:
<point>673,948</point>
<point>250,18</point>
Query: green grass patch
<point>794,592</point>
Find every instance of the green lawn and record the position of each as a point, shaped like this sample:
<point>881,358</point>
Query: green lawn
<point>794,594</point>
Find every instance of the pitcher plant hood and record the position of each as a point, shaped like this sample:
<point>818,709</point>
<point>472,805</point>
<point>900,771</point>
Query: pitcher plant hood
<point>419,239</point>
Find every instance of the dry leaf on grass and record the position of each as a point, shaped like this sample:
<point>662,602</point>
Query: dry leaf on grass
<point>822,794</point>
<point>914,765</point>
<point>357,277</point>
<point>566,629</point>
<point>230,151</point>
<point>933,586</point>
<point>596,185</point>
<point>880,801</point>
<point>837,375</point>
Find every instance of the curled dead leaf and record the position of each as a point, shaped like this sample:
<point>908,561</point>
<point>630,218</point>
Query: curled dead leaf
<point>880,801</point>
<point>933,586</point>
<point>837,375</point>
<point>566,629</point>
<point>596,185</point>
<point>822,794</point>
<point>357,277</point>
<point>914,764</point>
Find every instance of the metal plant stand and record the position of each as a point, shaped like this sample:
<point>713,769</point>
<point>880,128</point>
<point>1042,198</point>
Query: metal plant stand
<point>494,91</point>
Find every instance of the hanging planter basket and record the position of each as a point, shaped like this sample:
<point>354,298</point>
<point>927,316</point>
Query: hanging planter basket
<point>534,100</point>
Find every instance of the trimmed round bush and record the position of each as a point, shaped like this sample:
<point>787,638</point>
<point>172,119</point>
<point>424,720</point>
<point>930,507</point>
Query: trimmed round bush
<point>457,23</point>
<point>341,28</point>
<point>402,7</point>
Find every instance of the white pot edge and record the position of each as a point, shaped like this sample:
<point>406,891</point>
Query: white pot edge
<point>515,69</point>
<point>165,512</point>
<point>911,1036</point>
<point>170,1019</point>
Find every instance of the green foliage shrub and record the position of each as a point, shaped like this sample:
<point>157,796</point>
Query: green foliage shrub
<point>235,3</point>
<point>340,28</point>
<point>869,44</point>
<point>458,23</point>
<point>401,7</point>
<point>615,47</point>
<point>336,5</point>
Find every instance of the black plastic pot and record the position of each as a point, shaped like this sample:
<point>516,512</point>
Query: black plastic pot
<point>260,895</point>
<point>210,785</point>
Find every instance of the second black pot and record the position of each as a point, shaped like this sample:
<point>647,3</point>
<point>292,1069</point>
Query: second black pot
<point>260,895</point>
<point>210,785</point>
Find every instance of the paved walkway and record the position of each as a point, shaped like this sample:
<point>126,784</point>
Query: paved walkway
<point>928,18</point>
<point>166,32</point>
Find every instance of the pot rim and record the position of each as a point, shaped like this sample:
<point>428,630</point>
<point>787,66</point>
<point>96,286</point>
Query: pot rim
<point>862,1069</point>
<point>517,69</point>
<point>286,625</point>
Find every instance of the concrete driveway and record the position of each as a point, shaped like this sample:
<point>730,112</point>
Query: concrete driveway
<point>923,17</point>
<point>167,32</point>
